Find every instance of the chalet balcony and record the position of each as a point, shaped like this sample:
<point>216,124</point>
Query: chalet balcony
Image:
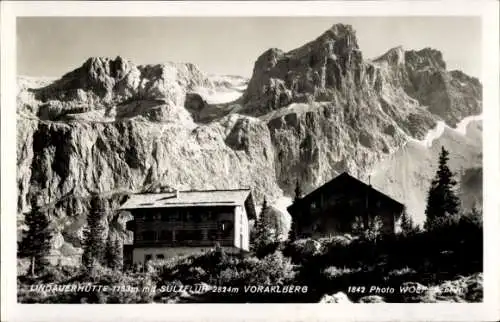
<point>177,225</point>
<point>166,243</point>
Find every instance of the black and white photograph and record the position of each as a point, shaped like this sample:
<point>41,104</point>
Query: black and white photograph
<point>249,159</point>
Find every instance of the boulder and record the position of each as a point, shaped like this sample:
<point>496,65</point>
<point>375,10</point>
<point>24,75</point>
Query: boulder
<point>338,297</point>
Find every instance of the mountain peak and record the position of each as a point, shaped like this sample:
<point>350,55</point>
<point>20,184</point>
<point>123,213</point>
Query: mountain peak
<point>343,34</point>
<point>339,30</point>
<point>100,67</point>
<point>427,57</point>
<point>394,56</point>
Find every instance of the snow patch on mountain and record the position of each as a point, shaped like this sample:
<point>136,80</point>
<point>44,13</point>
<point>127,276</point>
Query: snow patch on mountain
<point>219,95</point>
<point>432,135</point>
<point>226,89</point>
<point>438,131</point>
<point>464,124</point>
<point>282,203</point>
<point>33,82</point>
<point>406,174</point>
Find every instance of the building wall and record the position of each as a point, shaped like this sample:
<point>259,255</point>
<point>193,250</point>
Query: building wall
<point>193,226</point>
<point>329,215</point>
<point>242,237</point>
<point>139,253</point>
<point>388,219</point>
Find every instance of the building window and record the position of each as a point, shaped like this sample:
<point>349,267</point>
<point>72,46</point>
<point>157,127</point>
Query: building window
<point>205,216</point>
<point>165,217</point>
<point>149,218</point>
<point>313,205</point>
<point>148,235</point>
<point>212,234</point>
<point>185,235</point>
<point>183,215</point>
<point>160,256</point>
<point>196,217</point>
<point>166,235</point>
<point>194,234</point>
<point>180,235</point>
<point>225,228</point>
<point>212,216</point>
<point>147,258</point>
<point>174,216</point>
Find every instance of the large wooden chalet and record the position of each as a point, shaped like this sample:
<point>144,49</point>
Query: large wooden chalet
<point>183,222</point>
<point>344,205</point>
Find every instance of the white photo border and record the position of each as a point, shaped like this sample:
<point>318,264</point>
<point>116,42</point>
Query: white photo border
<point>486,311</point>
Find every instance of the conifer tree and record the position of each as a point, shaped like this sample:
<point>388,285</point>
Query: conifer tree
<point>298,191</point>
<point>293,227</point>
<point>265,234</point>
<point>407,224</point>
<point>114,253</point>
<point>118,254</point>
<point>264,205</point>
<point>36,243</point>
<point>94,246</point>
<point>441,199</point>
<point>109,254</point>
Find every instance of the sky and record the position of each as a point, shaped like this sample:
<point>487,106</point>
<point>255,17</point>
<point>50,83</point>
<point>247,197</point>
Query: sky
<point>52,46</point>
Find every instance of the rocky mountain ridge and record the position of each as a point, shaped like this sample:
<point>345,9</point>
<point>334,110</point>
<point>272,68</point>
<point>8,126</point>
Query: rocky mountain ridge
<point>407,85</point>
<point>305,115</point>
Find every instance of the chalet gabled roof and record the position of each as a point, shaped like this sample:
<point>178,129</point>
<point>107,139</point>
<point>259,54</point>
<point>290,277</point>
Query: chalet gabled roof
<point>192,198</point>
<point>342,182</point>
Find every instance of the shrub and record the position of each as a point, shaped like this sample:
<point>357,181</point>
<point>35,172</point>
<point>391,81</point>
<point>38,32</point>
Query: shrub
<point>229,276</point>
<point>474,284</point>
<point>333,272</point>
<point>301,250</point>
<point>444,222</point>
<point>401,272</point>
<point>23,266</point>
<point>57,274</point>
<point>273,269</point>
<point>335,242</point>
<point>372,299</point>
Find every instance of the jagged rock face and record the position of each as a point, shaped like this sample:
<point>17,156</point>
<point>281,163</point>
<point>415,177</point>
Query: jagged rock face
<point>406,85</point>
<point>315,71</point>
<point>313,143</point>
<point>111,85</point>
<point>113,127</point>
<point>86,157</point>
<point>422,74</point>
<point>329,110</point>
<point>78,158</point>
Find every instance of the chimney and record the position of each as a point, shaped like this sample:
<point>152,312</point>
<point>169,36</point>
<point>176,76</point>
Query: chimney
<point>176,193</point>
